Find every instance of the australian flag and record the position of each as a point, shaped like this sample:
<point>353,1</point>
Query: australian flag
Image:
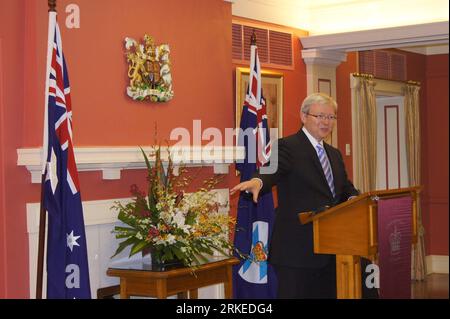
<point>254,277</point>
<point>67,262</point>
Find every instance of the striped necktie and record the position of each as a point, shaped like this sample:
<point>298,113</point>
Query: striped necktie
<point>326,167</point>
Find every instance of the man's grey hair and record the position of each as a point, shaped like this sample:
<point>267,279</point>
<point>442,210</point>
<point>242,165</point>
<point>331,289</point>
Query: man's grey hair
<point>317,98</point>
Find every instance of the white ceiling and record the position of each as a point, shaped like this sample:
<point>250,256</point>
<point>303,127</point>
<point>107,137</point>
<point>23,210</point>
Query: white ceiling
<point>335,16</point>
<point>324,17</point>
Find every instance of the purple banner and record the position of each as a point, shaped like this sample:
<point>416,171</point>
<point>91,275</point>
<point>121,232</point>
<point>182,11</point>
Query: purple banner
<point>394,247</point>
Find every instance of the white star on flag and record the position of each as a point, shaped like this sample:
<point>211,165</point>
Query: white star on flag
<point>72,240</point>
<point>51,171</point>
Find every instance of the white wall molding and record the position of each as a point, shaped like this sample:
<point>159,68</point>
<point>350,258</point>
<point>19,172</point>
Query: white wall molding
<point>324,57</point>
<point>112,160</point>
<point>396,37</point>
<point>437,264</point>
<point>99,220</point>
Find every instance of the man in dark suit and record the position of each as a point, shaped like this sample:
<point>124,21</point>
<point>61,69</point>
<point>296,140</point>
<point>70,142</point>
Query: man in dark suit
<point>310,175</point>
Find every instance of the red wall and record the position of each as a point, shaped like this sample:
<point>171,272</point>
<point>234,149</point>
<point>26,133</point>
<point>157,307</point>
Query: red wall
<point>14,248</point>
<point>432,72</point>
<point>436,154</point>
<point>103,114</point>
<point>344,100</point>
<point>200,57</point>
<point>2,186</point>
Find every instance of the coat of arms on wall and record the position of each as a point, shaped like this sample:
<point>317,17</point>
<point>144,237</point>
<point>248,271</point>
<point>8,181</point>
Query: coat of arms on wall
<point>148,70</point>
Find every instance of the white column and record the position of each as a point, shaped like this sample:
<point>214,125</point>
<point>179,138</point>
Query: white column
<point>321,75</point>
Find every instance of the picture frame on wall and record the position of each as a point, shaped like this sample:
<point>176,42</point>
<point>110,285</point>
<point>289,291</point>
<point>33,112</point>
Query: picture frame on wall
<point>272,87</point>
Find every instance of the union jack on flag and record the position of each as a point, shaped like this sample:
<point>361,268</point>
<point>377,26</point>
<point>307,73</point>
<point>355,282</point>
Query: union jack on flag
<point>67,262</point>
<point>256,104</point>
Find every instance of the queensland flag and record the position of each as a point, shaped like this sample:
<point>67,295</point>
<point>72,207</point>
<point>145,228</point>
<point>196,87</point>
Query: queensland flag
<point>67,262</point>
<point>254,277</point>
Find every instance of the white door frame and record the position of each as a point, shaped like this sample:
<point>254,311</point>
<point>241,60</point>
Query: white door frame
<point>392,169</point>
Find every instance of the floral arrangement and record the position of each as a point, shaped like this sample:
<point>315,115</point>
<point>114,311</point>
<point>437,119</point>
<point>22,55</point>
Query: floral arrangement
<point>169,223</point>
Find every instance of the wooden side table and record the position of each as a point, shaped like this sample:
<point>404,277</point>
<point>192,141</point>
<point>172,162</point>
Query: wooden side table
<point>137,279</point>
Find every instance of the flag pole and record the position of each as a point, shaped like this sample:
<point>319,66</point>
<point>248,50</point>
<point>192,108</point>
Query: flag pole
<point>41,243</point>
<point>42,213</point>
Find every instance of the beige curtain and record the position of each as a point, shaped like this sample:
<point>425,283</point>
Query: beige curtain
<point>418,269</point>
<point>366,133</point>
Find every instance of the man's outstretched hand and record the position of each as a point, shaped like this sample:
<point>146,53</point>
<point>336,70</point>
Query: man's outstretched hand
<point>252,186</point>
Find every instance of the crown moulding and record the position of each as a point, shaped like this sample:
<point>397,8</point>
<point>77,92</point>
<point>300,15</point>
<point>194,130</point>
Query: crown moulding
<point>112,160</point>
<point>394,37</point>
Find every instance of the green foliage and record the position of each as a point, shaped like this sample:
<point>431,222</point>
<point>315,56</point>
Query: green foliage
<point>169,222</point>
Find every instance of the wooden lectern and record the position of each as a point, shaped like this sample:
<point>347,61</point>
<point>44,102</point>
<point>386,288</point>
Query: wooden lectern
<point>349,231</point>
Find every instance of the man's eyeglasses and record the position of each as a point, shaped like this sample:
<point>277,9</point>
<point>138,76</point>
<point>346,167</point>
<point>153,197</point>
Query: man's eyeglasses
<point>323,117</point>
